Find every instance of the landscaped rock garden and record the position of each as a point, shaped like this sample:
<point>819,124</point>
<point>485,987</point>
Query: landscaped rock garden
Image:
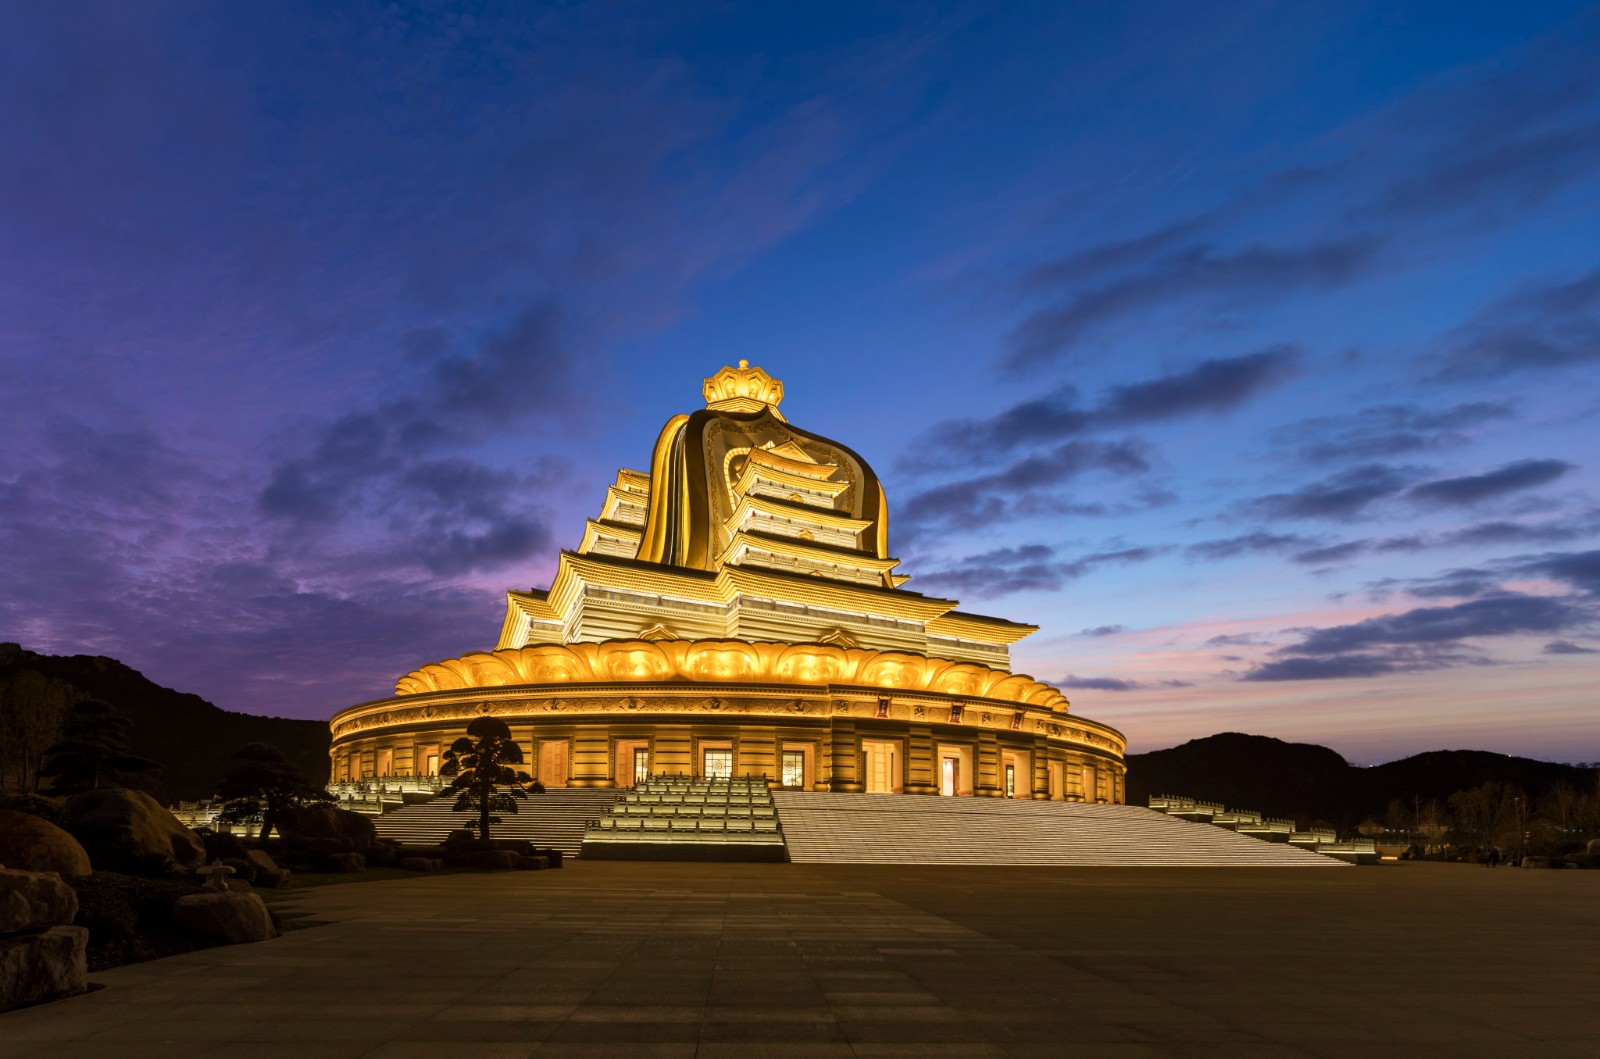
<point>111,877</point>
<point>42,955</point>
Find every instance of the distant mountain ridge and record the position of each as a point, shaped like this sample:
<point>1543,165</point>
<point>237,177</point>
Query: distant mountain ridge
<point>189,736</point>
<point>193,739</point>
<point>1309,782</point>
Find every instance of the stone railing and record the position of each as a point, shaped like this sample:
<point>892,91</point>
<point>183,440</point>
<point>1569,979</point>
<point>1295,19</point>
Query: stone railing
<point>1266,828</point>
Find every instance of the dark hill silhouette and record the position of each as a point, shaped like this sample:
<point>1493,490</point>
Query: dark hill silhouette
<point>189,736</point>
<point>1312,783</point>
<point>1440,773</point>
<point>1245,772</point>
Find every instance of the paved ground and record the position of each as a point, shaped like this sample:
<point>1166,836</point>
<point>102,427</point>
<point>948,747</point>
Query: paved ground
<point>646,960</point>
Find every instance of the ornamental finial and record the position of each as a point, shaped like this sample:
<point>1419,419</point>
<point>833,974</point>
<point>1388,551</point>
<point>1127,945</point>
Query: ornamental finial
<point>743,389</point>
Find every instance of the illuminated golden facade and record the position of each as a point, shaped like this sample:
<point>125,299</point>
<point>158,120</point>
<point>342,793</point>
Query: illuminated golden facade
<point>735,612</point>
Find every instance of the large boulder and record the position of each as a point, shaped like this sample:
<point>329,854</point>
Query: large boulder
<point>33,901</point>
<point>342,863</point>
<point>130,832</point>
<point>499,859</point>
<point>224,917</point>
<point>32,843</point>
<point>323,823</point>
<point>267,871</point>
<point>420,863</point>
<point>42,966</point>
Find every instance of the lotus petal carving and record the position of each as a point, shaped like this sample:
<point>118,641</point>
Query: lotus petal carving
<point>553,665</point>
<point>635,660</point>
<point>811,664</point>
<point>963,678</point>
<point>891,669</point>
<point>722,660</point>
<point>727,661</point>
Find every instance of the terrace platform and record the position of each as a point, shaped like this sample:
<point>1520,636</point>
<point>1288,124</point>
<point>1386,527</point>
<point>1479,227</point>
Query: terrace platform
<point>684,960</point>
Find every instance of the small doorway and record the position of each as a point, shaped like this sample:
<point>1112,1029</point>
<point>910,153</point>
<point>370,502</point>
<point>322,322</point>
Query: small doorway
<point>793,770</point>
<point>882,766</point>
<point>553,763</point>
<point>955,770</point>
<point>1016,773</point>
<point>632,760</point>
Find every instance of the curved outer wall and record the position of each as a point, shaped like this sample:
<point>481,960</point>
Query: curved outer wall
<point>858,719</point>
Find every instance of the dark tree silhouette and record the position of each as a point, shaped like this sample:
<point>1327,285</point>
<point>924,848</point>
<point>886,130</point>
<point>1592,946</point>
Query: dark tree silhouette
<point>482,778</point>
<point>32,706</point>
<point>93,752</point>
<point>265,783</point>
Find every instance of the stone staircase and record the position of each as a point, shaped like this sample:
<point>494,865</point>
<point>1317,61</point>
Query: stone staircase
<point>555,819</point>
<point>889,829</point>
<point>689,818</point>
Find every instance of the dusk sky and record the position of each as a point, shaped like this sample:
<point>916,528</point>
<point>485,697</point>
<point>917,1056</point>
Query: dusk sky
<point>1250,350</point>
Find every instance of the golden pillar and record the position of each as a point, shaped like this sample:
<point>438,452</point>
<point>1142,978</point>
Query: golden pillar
<point>674,751</point>
<point>844,756</point>
<point>988,767</point>
<point>758,752</point>
<point>591,757</point>
<point>921,770</point>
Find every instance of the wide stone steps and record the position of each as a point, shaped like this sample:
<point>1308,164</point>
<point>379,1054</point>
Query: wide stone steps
<point>899,829</point>
<point>555,819</point>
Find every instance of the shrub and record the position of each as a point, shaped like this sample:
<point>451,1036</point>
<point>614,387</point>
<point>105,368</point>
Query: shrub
<point>130,918</point>
<point>36,805</point>
<point>242,868</point>
<point>220,845</point>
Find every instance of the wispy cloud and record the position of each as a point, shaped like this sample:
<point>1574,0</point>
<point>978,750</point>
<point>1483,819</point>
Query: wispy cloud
<point>1074,682</point>
<point>1212,387</point>
<point>1388,430</point>
<point>1472,488</point>
<point>1465,155</point>
<point>1419,639</point>
<point>1197,273</point>
<point>1344,495</point>
<point>1035,567</point>
<point>1542,327</point>
<point>1253,543</point>
<point>1029,485</point>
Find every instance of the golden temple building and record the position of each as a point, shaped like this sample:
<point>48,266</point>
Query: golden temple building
<point>734,612</point>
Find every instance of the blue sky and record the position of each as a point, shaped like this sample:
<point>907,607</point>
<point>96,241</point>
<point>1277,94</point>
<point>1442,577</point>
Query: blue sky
<point>1250,351</point>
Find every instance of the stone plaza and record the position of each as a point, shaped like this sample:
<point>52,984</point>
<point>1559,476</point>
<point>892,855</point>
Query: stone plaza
<point>736,960</point>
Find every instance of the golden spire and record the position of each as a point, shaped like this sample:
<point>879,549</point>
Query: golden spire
<point>744,389</point>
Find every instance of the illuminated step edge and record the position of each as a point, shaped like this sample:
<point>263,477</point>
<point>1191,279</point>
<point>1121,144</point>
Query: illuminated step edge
<point>555,819</point>
<point>885,829</point>
<point>691,815</point>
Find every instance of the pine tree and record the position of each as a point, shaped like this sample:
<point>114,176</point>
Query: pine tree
<point>93,752</point>
<point>265,783</point>
<point>484,780</point>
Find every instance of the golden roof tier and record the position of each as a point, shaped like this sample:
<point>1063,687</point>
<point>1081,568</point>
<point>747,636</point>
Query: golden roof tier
<point>735,612</point>
<point>747,527</point>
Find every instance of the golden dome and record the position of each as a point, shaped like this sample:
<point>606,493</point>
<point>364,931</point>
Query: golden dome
<point>743,389</point>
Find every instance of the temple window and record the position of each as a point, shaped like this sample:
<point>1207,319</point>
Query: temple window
<point>794,768</point>
<point>718,764</point>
